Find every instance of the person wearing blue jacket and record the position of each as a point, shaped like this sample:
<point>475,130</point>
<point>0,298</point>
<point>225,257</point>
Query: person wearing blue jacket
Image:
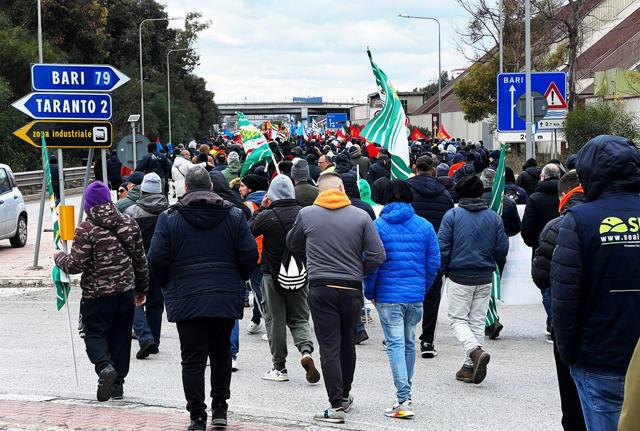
<point>472,244</point>
<point>202,251</point>
<point>397,287</point>
<point>595,278</point>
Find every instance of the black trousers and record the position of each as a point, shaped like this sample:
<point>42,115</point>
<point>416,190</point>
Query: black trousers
<point>154,307</point>
<point>201,339</point>
<point>572,417</point>
<point>430,308</point>
<point>335,314</point>
<point>105,325</point>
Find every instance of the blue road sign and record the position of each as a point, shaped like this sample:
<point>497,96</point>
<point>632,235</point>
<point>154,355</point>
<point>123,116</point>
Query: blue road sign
<point>336,120</point>
<point>553,85</point>
<point>65,106</point>
<point>76,77</point>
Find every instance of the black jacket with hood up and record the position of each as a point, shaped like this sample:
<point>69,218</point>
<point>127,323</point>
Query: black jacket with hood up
<point>430,199</point>
<point>595,275</point>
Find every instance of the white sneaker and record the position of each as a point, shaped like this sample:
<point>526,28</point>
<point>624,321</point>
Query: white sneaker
<point>254,328</point>
<point>276,375</point>
<point>265,337</point>
<point>401,410</point>
<point>234,365</point>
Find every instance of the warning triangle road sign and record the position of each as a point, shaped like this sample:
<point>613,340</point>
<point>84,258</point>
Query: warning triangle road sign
<point>554,98</point>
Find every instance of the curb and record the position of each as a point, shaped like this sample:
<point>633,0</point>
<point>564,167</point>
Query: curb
<point>31,282</point>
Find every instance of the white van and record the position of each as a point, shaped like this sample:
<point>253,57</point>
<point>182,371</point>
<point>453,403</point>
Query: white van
<point>13,212</point>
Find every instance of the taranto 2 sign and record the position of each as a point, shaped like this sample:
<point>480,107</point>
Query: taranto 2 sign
<point>67,134</point>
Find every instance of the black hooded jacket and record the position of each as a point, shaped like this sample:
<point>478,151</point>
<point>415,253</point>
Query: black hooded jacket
<point>222,189</point>
<point>542,207</point>
<point>378,170</point>
<point>430,199</point>
<point>541,264</point>
<point>595,275</point>
<point>529,179</point>
<point>201,253</point>
<point>510,216</point>
<point>353,192</point>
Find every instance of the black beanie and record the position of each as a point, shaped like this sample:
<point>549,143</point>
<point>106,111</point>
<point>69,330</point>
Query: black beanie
<point>469,186</point>
<point>397,191</point>
<point>255,182</point>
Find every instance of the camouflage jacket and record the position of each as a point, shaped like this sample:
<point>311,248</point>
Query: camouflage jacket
<point>106,267</point>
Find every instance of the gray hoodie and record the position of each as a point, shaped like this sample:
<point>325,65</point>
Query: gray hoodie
<point>340,241</point>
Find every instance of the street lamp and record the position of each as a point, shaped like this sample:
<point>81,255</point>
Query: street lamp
<point>439,63</point>
<point>141,73</point>
<point>169,88</point>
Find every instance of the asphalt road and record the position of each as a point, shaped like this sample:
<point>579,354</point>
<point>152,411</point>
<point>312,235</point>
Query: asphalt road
<point>520,392</point>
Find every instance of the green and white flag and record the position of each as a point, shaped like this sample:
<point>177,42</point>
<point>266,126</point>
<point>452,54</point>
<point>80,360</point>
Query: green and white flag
<point>60,279</point>
<point>251,136</point>
<point>389,127</point>
<point>497,197</point>
<point>254,144</point>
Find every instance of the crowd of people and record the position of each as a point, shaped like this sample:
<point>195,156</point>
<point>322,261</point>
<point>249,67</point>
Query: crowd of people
<point>323,227</point>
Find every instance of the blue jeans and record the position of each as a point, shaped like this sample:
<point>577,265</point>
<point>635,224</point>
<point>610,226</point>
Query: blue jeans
<point>147,318</point>
<point>256,281</point>
<point>235,340</point>
<point>399,322</point>
<point>601,394</point>
<point>140,326</point>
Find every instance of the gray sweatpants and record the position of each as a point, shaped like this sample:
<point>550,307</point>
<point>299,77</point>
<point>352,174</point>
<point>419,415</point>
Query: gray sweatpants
<point>468,307</point>
<point>282,310</point>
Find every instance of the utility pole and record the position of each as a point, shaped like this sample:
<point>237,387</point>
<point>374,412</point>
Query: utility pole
<point>530,144</point>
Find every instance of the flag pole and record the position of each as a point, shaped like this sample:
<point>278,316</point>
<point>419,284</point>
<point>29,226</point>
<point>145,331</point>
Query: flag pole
<point>56,240</point>
<point>275,163</point>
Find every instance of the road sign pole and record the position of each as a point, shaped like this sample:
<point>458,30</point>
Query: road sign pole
<point>85,183</point>
<point>103,157</point>
<point>529,145</point>
<point>135,156</point>
<point>501,24</point>
<point>36,252</point>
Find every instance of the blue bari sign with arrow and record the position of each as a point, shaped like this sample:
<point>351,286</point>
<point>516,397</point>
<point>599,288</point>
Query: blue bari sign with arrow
<point>336,120</point>
<point>511,86</point>
<point>76,77</point>
<point>65,106</point>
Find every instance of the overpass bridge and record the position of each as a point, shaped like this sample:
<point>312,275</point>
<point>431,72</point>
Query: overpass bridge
<point>282,110</point>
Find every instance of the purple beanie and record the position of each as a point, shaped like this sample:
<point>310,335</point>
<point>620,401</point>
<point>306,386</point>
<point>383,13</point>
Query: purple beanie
<point>96,194</point>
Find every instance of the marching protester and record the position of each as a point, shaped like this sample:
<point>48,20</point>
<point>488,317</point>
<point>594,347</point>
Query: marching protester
<point>542,207</point>
<point>341,247</point>
<point>430,201</point>
<point>571,194</point>
<point>397,287</point>
<point>306,193</point>
<point>285,306</point>
<point>133,184</point>
<point>147,320</point>
<point>472,242</point>
<point>203,287</point>
<point>181,166</point>
<point>108,251</point>
<point>595,278</point>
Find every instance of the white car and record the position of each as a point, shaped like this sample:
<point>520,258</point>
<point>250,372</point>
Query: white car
<point>13,212</point>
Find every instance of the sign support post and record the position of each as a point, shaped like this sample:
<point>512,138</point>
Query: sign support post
<point>85,183</point>
<point>529,145</point>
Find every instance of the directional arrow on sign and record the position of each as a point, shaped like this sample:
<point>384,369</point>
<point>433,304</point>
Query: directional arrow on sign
<point>65,106</point>
<point>67,134</point>
<point>76,77</point>
<point>512,90</point>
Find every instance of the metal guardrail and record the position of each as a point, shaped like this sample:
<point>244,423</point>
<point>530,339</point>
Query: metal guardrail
<point>31,181</point>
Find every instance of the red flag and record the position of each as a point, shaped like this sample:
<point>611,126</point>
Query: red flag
<point>415,135</point>
<point>372,150</point>
<point>354,131</point>
<point>442,133</point>
<point>340,133</point>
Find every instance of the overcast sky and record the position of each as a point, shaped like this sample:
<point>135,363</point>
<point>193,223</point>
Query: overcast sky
<point>277,49</point>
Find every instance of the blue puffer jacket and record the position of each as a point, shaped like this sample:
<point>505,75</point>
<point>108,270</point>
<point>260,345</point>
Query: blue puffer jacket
<point>413,258</point>
<point>201,253</point>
